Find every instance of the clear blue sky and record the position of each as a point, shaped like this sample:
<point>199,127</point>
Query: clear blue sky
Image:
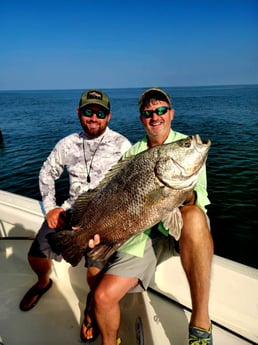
<point>111,44</point>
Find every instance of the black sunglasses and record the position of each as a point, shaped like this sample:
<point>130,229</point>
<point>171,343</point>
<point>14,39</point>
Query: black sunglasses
<point>101,114</point>
<point>159,111</point>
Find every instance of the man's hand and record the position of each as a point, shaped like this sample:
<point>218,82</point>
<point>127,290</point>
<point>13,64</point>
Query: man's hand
<point>56,218</point>
<point>94,241</point>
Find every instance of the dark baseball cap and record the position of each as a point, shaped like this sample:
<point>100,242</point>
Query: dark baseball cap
<point>94,96</point>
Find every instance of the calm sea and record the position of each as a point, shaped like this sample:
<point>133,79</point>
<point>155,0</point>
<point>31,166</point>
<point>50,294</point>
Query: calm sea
<point>33,121</point>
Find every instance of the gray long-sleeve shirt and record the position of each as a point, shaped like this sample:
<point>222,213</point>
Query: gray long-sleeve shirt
<point>81,157</point>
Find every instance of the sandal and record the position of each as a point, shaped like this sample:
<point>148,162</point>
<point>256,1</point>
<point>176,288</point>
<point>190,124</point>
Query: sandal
<point>26,303</point>
<point>89,325</point>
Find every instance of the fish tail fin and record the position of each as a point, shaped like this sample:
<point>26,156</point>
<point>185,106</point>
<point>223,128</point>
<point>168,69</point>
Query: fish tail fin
<point>103,251</point>
<point>64,243</point>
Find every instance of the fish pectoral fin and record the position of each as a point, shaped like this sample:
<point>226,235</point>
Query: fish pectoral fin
<point>174,223</point>
<point>103,251</point>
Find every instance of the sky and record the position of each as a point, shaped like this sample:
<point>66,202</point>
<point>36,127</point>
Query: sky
<point>78,44</point>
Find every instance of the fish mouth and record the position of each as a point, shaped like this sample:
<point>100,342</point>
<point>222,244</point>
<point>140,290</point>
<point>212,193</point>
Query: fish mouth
<point>199,143</point>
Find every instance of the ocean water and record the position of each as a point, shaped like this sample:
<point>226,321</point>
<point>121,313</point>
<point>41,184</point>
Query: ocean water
<point>33,121</point>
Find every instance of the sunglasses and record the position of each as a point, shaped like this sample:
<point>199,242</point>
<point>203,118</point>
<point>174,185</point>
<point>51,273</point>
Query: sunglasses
<point>159,111</point>
<point>101,114</point>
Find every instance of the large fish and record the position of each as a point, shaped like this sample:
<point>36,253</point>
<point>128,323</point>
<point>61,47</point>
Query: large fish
<point>138,193</point>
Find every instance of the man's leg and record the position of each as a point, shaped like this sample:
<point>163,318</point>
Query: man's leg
<point>89,328</point>
<point>196,251</point>
<point>42,268</point>
<point>108,294</point>
<point>40,257</point>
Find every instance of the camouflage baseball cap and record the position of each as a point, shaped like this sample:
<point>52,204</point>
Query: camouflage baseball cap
<point>94,96</point>
<point>155,93</point>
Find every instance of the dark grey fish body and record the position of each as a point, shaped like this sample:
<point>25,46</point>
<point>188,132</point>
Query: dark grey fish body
<point>143,190</point>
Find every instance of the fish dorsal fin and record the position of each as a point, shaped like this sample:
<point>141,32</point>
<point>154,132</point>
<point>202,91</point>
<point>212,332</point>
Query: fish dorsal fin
<point>81,202</point>
<point>113,171</point>
<point>80,205</point>
<point>174,223</point>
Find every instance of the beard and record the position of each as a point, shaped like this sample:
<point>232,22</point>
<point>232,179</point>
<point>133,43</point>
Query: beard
<point>93,132</point>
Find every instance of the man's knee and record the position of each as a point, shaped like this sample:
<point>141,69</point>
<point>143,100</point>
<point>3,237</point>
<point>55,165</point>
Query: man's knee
<point>102,297</point>
<point>194,221</point>
<point>192,212</point>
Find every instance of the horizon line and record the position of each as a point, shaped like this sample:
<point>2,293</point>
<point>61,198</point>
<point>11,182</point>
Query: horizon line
<point>131,87</point>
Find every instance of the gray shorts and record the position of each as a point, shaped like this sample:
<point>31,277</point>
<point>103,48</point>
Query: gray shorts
<point>40,247</point>
<point>158,248</point>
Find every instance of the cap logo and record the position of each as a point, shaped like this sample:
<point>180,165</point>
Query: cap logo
<point>94,95</point>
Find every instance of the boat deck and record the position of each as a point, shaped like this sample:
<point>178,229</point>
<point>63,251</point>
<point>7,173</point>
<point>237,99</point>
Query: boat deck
<point>159,316</point>
<point>147,318</point>
<point>56,319</point>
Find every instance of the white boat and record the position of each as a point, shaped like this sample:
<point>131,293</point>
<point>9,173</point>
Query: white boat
<point>158,316</point>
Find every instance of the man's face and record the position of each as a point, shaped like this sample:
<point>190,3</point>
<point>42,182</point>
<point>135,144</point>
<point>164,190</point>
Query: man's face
<point>94,120</point>
<point>157,124</point>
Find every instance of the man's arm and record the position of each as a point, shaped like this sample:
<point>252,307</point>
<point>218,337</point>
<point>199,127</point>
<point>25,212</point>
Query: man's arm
<point>50,171</point>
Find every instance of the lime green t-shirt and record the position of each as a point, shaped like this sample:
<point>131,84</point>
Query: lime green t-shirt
<point>136,244</point>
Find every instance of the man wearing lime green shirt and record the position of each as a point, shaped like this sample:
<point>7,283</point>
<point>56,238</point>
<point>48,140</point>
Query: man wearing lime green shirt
<point>136,245</point>
<point>135,262</point>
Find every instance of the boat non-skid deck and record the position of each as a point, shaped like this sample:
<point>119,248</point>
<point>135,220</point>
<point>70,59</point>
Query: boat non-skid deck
<point>57,317</point>
<point>159,316</point>
<point>147,318</point>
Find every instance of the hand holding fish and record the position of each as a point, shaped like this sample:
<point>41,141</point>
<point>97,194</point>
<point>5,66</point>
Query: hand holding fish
<point>94,241</point>
<point>56,218</point>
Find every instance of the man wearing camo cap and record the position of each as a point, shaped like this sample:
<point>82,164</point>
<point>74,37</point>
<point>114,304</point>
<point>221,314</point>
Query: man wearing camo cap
<point>87,156</point>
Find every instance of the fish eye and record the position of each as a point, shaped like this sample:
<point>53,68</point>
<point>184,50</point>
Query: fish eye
<point>188,143</point>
